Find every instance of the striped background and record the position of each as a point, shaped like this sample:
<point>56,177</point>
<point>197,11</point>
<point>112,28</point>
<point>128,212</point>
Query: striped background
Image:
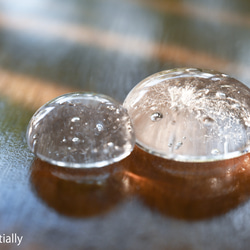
<point>51,47</point>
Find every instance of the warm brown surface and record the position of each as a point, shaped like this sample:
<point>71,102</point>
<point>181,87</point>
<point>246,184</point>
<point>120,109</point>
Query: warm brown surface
<point>52,47</point>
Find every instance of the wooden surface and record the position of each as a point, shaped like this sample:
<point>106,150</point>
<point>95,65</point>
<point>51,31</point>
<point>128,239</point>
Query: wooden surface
<point>52,47</point>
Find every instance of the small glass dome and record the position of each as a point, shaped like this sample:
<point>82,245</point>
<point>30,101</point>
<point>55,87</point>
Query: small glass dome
<point>81,130</point>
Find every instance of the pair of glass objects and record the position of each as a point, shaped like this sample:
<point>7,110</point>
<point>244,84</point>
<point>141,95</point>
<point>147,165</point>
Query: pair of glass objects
<point>186,114</point>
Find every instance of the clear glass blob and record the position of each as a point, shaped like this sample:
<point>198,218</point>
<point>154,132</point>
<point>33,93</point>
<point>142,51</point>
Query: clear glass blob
<point>81,130</point>
<point>191,115</point>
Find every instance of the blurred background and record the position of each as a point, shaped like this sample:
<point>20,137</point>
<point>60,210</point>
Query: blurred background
<point>108,46</point>
<point>51,47</point>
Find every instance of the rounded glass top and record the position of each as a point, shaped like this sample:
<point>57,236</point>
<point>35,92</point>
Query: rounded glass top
<point>191,115</point>
<point>81,130</point>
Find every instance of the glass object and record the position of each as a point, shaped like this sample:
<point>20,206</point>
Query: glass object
<point>191,115</point>
<point>81,130</point>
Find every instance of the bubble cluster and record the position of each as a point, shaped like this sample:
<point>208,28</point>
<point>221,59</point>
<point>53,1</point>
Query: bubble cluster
<point>191,115</point>
<point>81,130</point>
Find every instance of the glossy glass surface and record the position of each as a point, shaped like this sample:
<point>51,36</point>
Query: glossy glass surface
<point>191,115</point>
<point>81,130</point>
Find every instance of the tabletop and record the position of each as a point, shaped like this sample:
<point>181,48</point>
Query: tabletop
<point>49,48</point>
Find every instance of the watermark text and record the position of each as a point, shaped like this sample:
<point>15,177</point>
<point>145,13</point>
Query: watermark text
<point>11,239</point>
